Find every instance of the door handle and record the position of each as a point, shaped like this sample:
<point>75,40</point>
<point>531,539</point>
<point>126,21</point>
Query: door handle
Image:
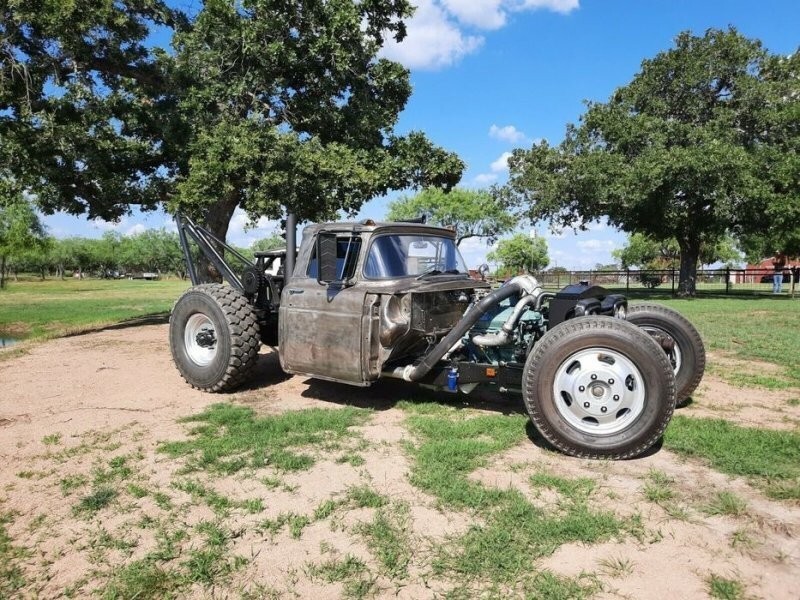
<point>296,291</point>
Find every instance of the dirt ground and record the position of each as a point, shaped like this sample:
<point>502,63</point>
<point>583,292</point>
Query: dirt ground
<point>69,404</point>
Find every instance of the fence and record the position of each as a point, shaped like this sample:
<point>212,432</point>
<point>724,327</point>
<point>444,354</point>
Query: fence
<point>708,281</point>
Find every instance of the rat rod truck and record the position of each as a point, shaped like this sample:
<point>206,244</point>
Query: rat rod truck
<point>365,301</point>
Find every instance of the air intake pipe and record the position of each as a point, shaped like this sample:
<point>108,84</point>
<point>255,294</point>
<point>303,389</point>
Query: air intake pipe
<point>506,333</point>
<point>524,284</point>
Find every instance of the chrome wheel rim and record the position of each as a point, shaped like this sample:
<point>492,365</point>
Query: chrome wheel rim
<point>200,326</point>
<point>675,357</point>
<point>599,391</point>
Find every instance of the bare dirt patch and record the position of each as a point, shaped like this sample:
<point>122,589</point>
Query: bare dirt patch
<point>747,406</point>
<point>85,415</point>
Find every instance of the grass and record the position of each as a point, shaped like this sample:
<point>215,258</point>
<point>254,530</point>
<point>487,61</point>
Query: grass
<point>96,501</point>
<point>617,566</point>
<point>11,578</point>
<point>388,538</point>
<point>511,533</point>
<point>769,459</point>
<point>351,571</point>
<point>763,329</point>
<point>45,309</point>
<point>142,579</point>
<point>659,487</point>
<point>231,438</point>
<point>726,503</point>
<point>724,588</point>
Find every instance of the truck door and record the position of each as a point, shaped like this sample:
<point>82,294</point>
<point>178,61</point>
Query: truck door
<point>320,324</point>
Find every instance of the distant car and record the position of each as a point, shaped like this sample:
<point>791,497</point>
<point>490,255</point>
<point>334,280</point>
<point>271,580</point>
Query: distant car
<point>768,278</point>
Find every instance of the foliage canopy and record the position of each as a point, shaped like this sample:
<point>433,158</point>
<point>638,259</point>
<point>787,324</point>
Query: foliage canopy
<point>260,105</point>
<point>703,141</point>
<point>473,213</point>
<point>520,252</point>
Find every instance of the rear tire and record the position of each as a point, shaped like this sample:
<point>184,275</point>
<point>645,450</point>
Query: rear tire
<point>214,337</point>
<point>598,387</point>
<point>689,357</point>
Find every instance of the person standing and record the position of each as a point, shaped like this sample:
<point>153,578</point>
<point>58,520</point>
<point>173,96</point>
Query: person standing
<point>778,263</point>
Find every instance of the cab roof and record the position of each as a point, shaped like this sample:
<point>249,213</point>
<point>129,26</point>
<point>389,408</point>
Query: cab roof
<point>369,225</point>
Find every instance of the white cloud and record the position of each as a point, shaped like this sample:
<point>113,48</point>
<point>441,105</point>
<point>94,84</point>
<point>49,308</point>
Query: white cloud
<point>507,133</point>
<point>596,245</point>
<point>433,41</point>
<point>501,164</point>
<point>243,232</point>
<point>559,6</point>
<point>474,251</point>
<point>555,235</point>
<point>435,34</point>
<point>485,178</point>
<point>170,225</point>
<point>135,230</point>
<point>484,14</point>
<point>104,225</point>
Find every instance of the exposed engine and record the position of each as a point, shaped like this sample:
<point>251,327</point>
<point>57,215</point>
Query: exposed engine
<point>506,333</point>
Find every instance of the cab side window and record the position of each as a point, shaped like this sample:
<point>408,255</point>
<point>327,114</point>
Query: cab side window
<point>347,251</point>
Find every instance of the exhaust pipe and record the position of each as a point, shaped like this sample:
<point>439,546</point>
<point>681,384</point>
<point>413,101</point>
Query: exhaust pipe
<point>524,284</point>
<point>291,245</point>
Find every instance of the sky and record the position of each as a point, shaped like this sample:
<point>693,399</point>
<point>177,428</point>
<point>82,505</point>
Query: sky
<point>493,75</point>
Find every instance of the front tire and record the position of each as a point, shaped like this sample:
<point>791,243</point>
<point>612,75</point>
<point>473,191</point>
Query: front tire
<point>688,356</point>
<point>214,338</point>
<point>598,387</point>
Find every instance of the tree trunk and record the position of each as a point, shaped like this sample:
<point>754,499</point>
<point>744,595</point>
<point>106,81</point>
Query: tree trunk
<point>2,272</point>
<point>690,253</point>
<point>217,221</point>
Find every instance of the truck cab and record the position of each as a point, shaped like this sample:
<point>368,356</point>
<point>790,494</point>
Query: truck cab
<point>364,295</point>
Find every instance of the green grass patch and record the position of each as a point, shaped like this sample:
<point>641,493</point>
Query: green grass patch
<point>769,459</point>
<point>724,588</point>
<point>142,579</point>
<point>658,487</point>
<point>11,578</point>
<point>743,379</point>
<point>96,501</point>
<point>388,538</point>
<point>52,440</point>
<point>350,571</point>
<point>232,437</point>
<point>510,532</point>
<point>726,503</point>
<point>363,496</point>
<point>754,336</point>
<point>44,309</point>
<point>296,523</point>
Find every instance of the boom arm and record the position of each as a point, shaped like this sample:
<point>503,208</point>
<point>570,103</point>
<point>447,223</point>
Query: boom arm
<point>206,240</point>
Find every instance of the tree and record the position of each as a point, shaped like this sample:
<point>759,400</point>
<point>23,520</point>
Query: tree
<point>273,242</point>
<point>21,231</point>
<point>263,105</point>
<point>81,99</point>
<point>473,213</point>
<point>646,252</point>
<point>521,252</point>
<point>694,147</point>
<point>290,109</point>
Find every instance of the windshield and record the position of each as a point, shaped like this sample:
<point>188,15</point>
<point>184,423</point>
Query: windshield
<point>412,255</point>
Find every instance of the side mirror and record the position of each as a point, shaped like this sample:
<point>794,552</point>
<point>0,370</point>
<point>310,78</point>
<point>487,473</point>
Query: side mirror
<point>326,258</point>
<point>483,270</point>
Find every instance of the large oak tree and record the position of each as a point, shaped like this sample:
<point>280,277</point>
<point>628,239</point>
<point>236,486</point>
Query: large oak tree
<point>702,142</point>
<point>262,104</point>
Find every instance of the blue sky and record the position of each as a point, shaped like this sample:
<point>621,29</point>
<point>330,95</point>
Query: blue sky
<point>493,75</point>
